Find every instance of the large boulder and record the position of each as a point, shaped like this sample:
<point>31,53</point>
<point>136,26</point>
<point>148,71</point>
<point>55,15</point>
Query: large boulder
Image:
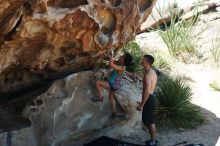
<point>66,111</point>
<point>44,39</point>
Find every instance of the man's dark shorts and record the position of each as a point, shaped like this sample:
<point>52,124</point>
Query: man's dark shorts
<point>148,110</point>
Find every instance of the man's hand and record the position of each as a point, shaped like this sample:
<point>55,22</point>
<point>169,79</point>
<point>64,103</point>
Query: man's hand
<point>140,108</point>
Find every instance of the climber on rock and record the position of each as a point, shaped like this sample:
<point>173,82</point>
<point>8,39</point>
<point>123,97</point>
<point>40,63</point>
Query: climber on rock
<point>114,81</point>
<point>148,103</point>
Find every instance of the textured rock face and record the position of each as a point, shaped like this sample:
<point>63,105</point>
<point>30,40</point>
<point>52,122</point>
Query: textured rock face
<point>66,111</point>
<point>41,39</point>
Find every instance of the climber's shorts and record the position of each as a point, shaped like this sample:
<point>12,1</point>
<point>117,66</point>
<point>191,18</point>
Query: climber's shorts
<point>148,110</point>
<point>112,88</point>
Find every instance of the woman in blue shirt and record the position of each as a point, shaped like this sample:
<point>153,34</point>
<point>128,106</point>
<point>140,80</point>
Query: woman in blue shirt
<point>114,81</point>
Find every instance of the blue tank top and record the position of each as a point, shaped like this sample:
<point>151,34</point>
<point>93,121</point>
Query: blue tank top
<point>112,78</point>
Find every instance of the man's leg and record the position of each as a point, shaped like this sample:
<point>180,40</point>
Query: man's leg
<point>112,101</point>
<point>100,85</point>
<point>148,120</point>
<point>152,131</point>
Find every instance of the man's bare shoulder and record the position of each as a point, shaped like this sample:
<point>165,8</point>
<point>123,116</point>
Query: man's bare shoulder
<point>154,72</point>
<point>151,73</point>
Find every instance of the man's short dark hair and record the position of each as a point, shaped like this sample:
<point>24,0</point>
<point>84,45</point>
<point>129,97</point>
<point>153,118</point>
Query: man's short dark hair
<point>150,59</point>
<point>128,59</point>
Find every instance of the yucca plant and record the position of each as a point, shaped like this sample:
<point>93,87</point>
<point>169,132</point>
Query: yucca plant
<point>174,106</point>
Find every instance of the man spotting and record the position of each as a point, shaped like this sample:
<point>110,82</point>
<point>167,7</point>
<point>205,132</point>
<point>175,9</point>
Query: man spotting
<point>148,103</point>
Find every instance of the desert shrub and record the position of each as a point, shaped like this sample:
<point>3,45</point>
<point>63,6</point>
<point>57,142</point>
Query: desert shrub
<point>180,37</point>
<point>174,106</point>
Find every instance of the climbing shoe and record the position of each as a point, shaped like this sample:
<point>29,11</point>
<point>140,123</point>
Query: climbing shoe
<point>97,98</point>
<point>151,143</point>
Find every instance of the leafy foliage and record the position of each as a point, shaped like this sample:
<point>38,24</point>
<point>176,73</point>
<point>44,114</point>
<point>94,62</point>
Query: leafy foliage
<point>161,61</point>
<point>134,49</point>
